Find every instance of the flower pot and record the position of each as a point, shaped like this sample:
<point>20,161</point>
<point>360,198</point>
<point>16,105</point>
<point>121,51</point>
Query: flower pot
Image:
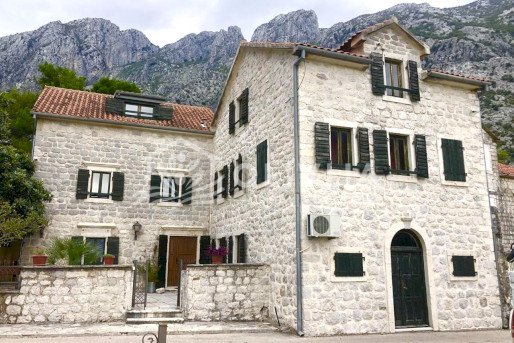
<point>39,260</point>
<point>217,259</point>
<point>151,287</point>
<point>108,260</point>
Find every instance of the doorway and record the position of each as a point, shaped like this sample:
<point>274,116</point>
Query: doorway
<point>408,274</point>
<point>180,248</point>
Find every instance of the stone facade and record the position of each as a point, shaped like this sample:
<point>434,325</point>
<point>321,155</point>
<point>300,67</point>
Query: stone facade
<point>63,147</point>
<point>69,295</point>
<point>226,292</point>
<point>264,212</point>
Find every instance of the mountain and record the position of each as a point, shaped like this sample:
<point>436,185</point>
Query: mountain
<point>475,39</point>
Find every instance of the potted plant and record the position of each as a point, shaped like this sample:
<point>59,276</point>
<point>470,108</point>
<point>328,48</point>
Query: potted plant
<point>108,259</point>
<point>153,276</point>
<point>217,254</point>
<point>40,257</point>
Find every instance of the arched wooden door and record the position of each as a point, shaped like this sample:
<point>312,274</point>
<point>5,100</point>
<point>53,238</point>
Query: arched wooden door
<point>409,290</point>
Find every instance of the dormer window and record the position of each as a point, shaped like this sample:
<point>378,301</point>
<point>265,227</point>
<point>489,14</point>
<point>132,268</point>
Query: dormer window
<point>393,78</point>
<point>139,110</point>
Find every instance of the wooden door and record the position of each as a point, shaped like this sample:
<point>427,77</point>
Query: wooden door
<point>180,248</point>
<point>409,291</point>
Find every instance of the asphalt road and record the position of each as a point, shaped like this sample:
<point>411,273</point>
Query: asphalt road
<point>412,337</point>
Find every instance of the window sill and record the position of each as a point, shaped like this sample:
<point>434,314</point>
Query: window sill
<point>349,278</point>
<point>402,178</point>
<point>463,278</point>
<point>405,101</point>
<point>220,200</point>
<point>341,172</point>
<point>262,184</point>
<point>169,204</point>
<point>238,194</point>
<point>454,183</point>
<point>99,200</point>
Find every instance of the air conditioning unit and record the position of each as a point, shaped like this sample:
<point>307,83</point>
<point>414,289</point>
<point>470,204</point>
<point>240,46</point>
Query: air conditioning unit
<point>323,226</point>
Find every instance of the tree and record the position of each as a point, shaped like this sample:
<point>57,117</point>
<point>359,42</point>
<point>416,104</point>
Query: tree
<point>109,86</point>
<point>60,77</point>
<point>21,124</point>
<point>22,196</point>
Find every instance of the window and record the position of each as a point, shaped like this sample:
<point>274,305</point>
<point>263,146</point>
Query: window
<point>453,160</point>
<point>399,152</point>
<point>463,266</point>
<point>262,161</point>
<point>241,112</point>
<point>103,245</point>
<point>349,265</point>
<point>393,77</point>
<point>139,110</point>
<point>100,184</point>
<point>100,245</point>
<point>341,148</point>
<point>170,191</point>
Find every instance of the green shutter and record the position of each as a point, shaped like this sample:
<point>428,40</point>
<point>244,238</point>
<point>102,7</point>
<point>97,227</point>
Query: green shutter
<point>161,260</point>
<point>215,185</point>
<point>231,118</point>
<point>463,266</point>
<point>244,108</point>
<point>114,106</point>
<point>262,160</point>
<point>231,186</point>
<point>420,147</point>
<point>453,160</point>
<point>363,142</point>
<point>163,113</point>
<point>75,259</point>
<point>187,191</point>
<point>155,188</point>
<point>241,248</point>
<point>322,144</point>
<point>381,155</point>
<point>412,66</point>
<point>82,184</point>
<point>348,264</point>
<point>377,74</point>
<point>205,243</point>
<point>230,249</point>
<point>118,185</point>
<point>113,247</point>
<point>240,172</point>
<point>224,182</point>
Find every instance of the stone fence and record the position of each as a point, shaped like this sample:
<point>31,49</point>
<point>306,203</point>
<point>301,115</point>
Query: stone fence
<point>216,292</point>
<point>71,294</point>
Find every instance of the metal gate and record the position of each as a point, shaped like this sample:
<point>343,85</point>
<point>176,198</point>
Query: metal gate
<point>140,284</point>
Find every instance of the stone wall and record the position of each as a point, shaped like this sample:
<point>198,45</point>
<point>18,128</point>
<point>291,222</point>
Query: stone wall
<point>448,217</point>
<point>264,212</point>
<point>63,147</point>
<point>86,294</point>
<point>226,292</point>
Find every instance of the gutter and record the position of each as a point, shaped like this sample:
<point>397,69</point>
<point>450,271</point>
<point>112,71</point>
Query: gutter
<point>299,49</point>
<point>298,209</point>
<point>455,78</point>
<point>119,123</point>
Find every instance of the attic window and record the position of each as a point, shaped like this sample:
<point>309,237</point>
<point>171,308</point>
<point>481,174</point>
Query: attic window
<point>393,80</point>
<point>139,110</point>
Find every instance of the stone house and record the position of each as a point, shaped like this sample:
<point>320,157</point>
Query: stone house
<point>358,177</point>
<point>365,186</point>
<point>112,162</point>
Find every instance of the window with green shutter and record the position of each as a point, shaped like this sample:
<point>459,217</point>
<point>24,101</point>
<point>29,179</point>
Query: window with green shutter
<point>262,161</point>
<point>463,266</point>
<point>453,160</point>
<point>349,265</point>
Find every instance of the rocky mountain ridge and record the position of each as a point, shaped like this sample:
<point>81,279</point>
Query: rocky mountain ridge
<point>474,39</point>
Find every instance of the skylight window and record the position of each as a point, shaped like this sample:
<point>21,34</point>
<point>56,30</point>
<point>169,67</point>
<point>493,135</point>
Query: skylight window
<point>139,110</point>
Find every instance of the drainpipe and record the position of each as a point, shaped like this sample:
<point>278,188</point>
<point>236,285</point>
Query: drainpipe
<point>33,136</point>
<point>298,212</point>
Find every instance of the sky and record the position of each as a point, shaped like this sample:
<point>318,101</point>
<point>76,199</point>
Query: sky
<point>166,21</point>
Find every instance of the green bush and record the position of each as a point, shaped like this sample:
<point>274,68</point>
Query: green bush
<point>72,251</point>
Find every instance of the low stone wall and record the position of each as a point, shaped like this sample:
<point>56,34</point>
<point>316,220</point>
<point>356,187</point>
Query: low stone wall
<point>72,294</point>
<point>217,292</point>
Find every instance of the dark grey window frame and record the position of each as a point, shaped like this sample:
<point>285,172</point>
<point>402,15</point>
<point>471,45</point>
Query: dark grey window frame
<point>349,131</point>
<point>98,194</point>
<point>395,168</point>
<point>389,83</point>
<point>178,185</point>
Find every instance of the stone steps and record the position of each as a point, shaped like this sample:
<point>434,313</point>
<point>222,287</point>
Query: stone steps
<point>154,316</point>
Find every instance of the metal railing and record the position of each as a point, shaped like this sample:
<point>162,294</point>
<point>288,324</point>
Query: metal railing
<point>140,284</point>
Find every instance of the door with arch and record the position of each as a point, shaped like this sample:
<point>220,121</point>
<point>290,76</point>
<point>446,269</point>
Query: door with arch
<point>409,289</point>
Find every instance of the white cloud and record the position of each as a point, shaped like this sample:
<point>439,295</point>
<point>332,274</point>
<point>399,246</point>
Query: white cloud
<point>165,21</point>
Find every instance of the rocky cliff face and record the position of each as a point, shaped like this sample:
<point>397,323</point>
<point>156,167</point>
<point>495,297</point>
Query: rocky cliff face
<point>92,47</point>
<point>475,39</point>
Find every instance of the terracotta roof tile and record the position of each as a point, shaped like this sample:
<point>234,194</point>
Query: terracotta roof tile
<point>459,75</point>
<point>83,104</point>
<point>506,170</point>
